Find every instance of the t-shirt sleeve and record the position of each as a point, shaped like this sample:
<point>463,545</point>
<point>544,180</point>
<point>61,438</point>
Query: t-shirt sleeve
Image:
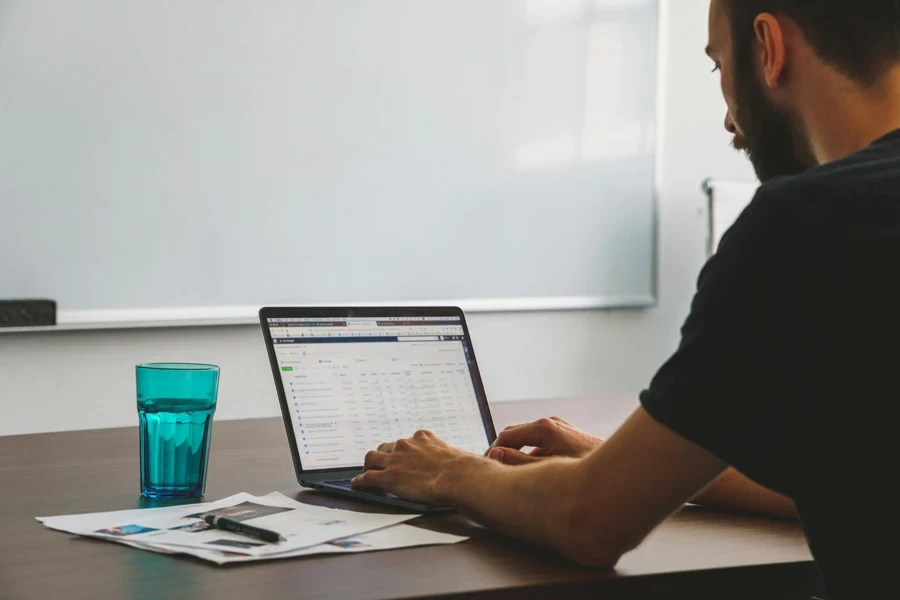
<point>719,388</point>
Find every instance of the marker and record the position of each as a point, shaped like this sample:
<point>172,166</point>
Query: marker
<point>257,533</point>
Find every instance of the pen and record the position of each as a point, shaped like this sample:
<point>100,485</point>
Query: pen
<point>233,526</point>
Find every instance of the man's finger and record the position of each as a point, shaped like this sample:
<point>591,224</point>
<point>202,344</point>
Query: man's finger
<point>508,427</point>
<point>533,434</point>
<point>375,460</point>
<point>368,479</point>
<point>508,456</point>
<point>386,447</point>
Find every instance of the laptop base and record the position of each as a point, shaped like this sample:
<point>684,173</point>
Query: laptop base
<point>342,488</point>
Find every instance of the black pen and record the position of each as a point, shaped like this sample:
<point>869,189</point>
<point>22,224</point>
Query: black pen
<point>226,524</point>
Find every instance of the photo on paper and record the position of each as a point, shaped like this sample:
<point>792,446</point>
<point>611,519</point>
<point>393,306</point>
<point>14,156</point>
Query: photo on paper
<point>241,512</point>
<point>349,544</point>
<point>124,530</point>
<point>192,527</point>
<point>236,544</point>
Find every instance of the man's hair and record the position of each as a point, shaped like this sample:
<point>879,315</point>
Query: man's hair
<point>860,38</point>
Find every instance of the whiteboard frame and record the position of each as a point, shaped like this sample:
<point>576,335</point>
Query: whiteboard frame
<point>202,316</point>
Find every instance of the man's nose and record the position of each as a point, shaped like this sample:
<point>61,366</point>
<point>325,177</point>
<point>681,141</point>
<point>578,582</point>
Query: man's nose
<point>729,124</point>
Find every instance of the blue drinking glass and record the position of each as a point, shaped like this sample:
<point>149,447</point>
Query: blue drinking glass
<point>176,403</point>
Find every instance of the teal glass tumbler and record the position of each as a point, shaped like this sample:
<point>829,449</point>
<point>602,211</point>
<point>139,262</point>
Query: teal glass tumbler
<point>175,403</point>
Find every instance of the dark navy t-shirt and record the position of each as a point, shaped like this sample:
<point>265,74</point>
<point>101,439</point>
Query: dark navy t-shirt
<point>789,364</point>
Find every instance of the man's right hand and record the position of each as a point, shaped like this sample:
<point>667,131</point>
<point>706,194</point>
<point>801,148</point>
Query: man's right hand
<point>549,437</point>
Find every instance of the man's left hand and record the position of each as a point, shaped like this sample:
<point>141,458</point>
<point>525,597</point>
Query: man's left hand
<point>419,468</point>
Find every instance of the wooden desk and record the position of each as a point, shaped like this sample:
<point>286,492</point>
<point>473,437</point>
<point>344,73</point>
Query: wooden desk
<point>697,552</point>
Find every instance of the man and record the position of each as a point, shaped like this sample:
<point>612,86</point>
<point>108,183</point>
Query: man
<point>786,367</point>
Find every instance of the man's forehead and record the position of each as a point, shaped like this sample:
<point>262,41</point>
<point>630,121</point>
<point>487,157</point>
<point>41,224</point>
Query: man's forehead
<point>718,27</point>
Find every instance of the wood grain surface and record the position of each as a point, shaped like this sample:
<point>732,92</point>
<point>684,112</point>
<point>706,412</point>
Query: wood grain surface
<point>697,553</point>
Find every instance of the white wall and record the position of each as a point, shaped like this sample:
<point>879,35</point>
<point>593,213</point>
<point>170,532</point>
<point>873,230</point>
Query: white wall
<point>74,380</point>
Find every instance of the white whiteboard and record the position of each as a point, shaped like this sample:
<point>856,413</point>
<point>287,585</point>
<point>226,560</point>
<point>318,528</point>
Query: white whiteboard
<point>226,152</point>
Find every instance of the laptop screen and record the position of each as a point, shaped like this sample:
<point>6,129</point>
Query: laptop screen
<point>352,383</point>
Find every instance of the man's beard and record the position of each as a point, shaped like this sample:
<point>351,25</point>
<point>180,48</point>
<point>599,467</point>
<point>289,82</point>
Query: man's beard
<point>772,139</point>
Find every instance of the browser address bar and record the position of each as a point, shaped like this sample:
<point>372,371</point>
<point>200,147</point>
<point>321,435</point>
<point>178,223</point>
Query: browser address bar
<point>418,338</point>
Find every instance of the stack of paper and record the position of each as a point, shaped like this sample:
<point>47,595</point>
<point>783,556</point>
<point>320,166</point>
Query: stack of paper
<point>309,529</point>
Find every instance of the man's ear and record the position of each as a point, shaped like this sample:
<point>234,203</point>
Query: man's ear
<point>770,36</point>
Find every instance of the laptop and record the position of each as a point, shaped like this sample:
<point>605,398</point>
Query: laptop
<point>349,379</point>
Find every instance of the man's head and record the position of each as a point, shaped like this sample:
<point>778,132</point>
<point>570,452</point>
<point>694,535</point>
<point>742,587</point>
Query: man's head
<point>770,53</point>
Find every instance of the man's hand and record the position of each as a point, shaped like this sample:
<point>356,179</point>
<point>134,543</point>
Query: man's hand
<point>550,437</point>
<point>419,469</point>
<point>591,509</point>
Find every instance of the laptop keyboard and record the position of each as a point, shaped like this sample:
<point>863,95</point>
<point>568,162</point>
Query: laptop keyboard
<point>345,483</point>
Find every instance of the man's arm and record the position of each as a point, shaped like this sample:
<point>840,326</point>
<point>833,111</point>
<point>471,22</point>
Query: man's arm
<point>734,491</point>
<point>592,510</point>
<point>554,437</point>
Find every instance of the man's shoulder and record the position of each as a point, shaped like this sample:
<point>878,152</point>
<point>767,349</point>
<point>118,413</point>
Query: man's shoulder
<point>787,206</point>
<point>761,221</point>
<point>872,167</point>
<point>812,182</point>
